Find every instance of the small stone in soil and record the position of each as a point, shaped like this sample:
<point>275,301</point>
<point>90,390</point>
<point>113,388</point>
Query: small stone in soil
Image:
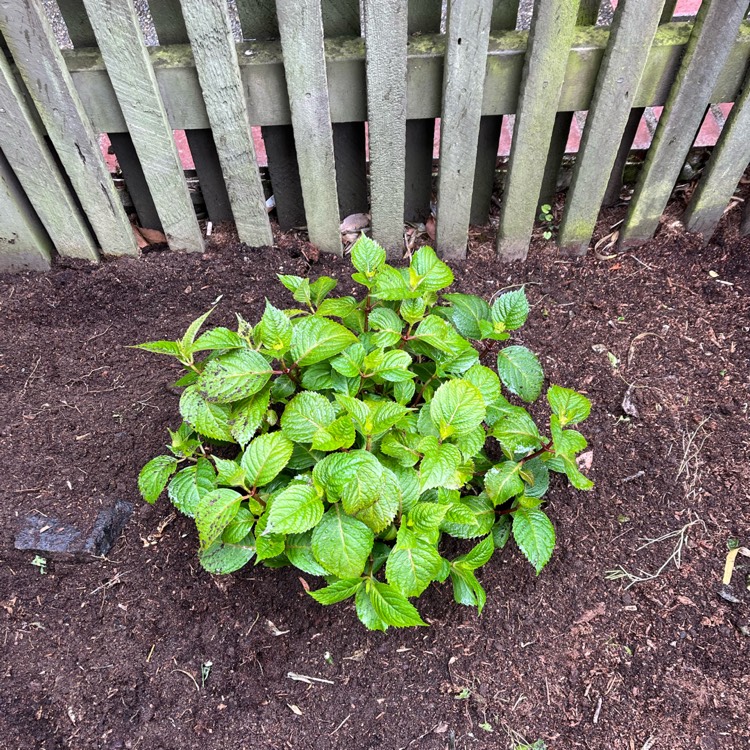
<point>48,535</point>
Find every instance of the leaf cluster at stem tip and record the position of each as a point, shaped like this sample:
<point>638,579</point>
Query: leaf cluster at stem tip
<point>350,437</point>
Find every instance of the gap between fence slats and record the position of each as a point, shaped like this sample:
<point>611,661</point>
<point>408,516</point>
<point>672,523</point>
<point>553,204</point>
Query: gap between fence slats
<point>301,30</point>
<point>711,40</point>
<point>633,29</point>
<point>553,27</point>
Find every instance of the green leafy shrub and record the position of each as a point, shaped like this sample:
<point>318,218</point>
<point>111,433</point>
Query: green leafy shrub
<point>364,443</point>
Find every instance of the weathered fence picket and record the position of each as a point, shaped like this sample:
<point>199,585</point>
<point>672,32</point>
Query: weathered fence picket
<point>40,63</point>
<point>633,30</point>
<point>708,49</point>
<point>315,77</point>
<point>552,28</point>
<point>463,87</point>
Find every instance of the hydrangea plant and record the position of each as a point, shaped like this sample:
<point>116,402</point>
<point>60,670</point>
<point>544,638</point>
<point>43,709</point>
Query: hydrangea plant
<point>351,438</point>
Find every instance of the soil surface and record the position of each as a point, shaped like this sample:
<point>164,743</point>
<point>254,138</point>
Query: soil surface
<point>108,653</point>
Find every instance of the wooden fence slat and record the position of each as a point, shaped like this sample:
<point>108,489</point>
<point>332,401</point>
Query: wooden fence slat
<point>82,35</point>
<point>170,29</point>
<point>385,23</point>
<point>24,147</point>
<point>552,29</point>
<point>463,88</point>
<point>423,18</point>
<point>722,174</point>
<point>215,54</point>
<point>614,186</point>
<point>504,16</point>
<point>341,19</point>
<point>37,57</point>
<point>129,66</point>
<point>301,30</point>
<point>588,11</point>
<point>633,30</point>
<point>24,245</point>
<point>713,33</point>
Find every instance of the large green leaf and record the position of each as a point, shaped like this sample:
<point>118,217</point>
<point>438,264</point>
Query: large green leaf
<point>295,510</point>
<point>567,443</point>
<point>211,420</point>
<point>379,515</point>
<point>337,307</point>
<point>219,338</point>
<point>274,331</point>
<point>353,477</point>
<point>403,446</point>
<point>429,272</point>
<point>392,284</point>
<point>392,607</point>
<point>483,511</point>
<point>338,591</point>
<point>503,482</point>
<point>388,326</point>
<point>466,588</point>
<point>536,475</point>
<point>305,414</point>
<point>315,339</point>
<point>341,544</point>
<point>570,406</point>
<point>511,309</point>
<point>412,564</point>
<point>534,535</point>
<point>170,348</point>
<point>477,556</point>
<point>265,457</point>
<point>465,312</point>
<point>247,415</point>
<point>214,512</point>
<point>520,371</point>
<point>189,485</point>
<point>233,376</point>
<point>440,468</point>
<point>187,340</point>
<point>154,476</point>
<point>393,366</point>
<point>517,433</point>
<point>485,381</point>
<point>366,612</point>
<point>221,558</point>
<point>351,361</point>
<point>457,408</point>
<point>298,550</point>
<point>239,527</point>
<point>339,434</point>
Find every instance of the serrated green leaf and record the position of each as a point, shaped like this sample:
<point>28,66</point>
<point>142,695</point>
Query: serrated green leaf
<point>274,331</point>
<point>321,288</point>
<point>466,312</point>
<point>503,482</point>
<point>214,512</point>
<point>412,564</point>
<point>305,414</point>
<point>339,434</point>
<point>299,553</point>
<point>353,477</point>
<point>299,287</point>
<point>501,531</point>
<point>154,476</point>
<point>341,543</point>
<point>351,361</point>
<point>471,443</point>
<point>439,468</point>
<point>383,415</point>
<point>520,372</point>
<point>391,284</point>
<point>413,310</point>
<point>457,408</point>
<point>295,510</point>
<point>338,591</point>
<point>187,340</point>
<point>432,274</point>
<point>337,307</point>
<point>218,338</point>
<point>534,535</point>
<point>234,376</point>
<point>367,256</point>
<point>428,515</point>
<point>385,319</point>
<point>189,485</point>
<point>401,446</point>
<point>485,381</point>
<point>435,332</point>
<point>536,475</point>
<point>392,607</point>
<point>403,391</point>
<point>366,612</point>
<point>221,559</point>
<point>315,339</point>
<point>282,387</point>
<point>570,406</point>
<point>211,420</point>
<point>478,555</point>
<point>318,377</point>
<point>379,515</point>
<point>239,527</point>
<point>484,517</point>
<point>511,309</point>
<point>517,433</point>
<point>247,416</point>
<point>170,348</point>
<point>467,590</point>
<point>265,457</point>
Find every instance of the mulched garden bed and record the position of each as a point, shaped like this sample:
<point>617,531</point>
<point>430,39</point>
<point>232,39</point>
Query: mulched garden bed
<point>108,653</point>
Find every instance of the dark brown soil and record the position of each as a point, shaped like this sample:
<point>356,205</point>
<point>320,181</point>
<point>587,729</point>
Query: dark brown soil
<point>104,654</point>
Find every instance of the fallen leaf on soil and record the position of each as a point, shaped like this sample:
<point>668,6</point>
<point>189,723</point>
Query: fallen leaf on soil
<point>295,709</point>
<point>355,223</point>
<point>585,460</point>
<point>274,630</point>
<point>441,728</point>
<point>140,240</point>
<point>591,614</point>
<point>628,403</point>
<point>431,228</point>
<point>152,236</point>
<point>687,601</point>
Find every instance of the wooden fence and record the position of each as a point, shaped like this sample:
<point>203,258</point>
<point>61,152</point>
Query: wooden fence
<point>346,93</point>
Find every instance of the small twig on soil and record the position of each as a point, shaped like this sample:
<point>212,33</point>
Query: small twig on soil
<point>96,335</point>
<point>637,475</point>
<point>308,680</point>
<point>686,456</point>
<point>598,710</point>
<point>117,578</point>
<point>187,674</point>
<point>340,725</point>
<point>31,375</point>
